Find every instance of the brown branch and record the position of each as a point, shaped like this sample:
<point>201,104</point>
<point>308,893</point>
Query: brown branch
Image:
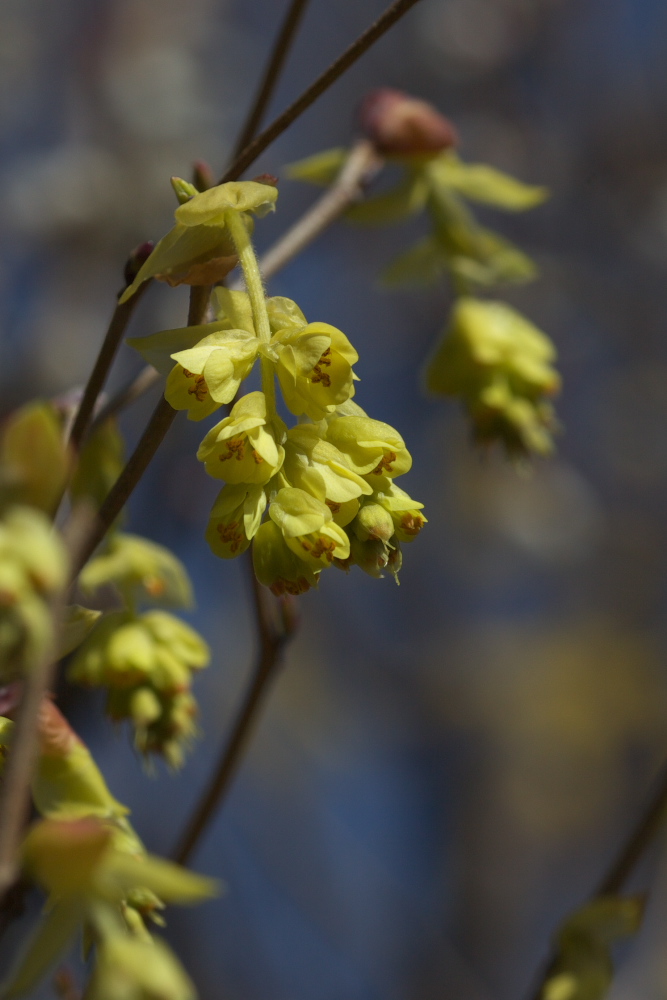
<point>149,442</point>
<point>323,82</point>
<point>145,380</point>
<point>279,53</point>
<point>98,376</point>
<point>639,840</point>
<point>15,794</point>
<point>272,641</point>
<point>361,165</point>
<point>626,859</point>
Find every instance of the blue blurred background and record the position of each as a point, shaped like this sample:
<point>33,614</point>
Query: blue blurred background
<point>443,769</point>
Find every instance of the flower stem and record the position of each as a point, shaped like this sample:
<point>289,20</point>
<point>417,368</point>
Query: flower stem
<point>255,286</point>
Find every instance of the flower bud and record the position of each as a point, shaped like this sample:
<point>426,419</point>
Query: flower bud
<point>373,521</point>
<point>400,125</point>
<point>136,260</point>
<point>202,175</point>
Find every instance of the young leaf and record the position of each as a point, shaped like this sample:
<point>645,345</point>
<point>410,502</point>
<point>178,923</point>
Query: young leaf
<point>479,182</point>
<point>408,198</point>
<point>77,623</point>
<point>423,264</point>
<point>322,168</point>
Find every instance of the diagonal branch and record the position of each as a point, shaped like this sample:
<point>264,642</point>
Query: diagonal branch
<point>149,442</point>
<point>110,344</point>
<point>629,854</point>
<point>276,62</point>
<point>272,641</point>
<point>391,15</point>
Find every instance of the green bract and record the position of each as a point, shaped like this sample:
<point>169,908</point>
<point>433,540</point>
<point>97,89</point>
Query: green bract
<point>199,249</point>
<point>242,448</point>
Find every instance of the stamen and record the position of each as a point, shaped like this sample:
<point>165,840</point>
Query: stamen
<point>230,534</point>
<point>235,449</point>
<point>385,463</point>
<point>320,376</point>
<point>333,506</point>
<point>199,390</point>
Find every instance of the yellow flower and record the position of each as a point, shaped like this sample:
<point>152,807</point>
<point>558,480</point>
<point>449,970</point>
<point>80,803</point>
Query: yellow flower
<point>243,448</point>
<point>371,447</point>
<point>199,250</point>
<point>277,567</point>
<point>211,362</point>
<point>308,528</point>
<point>314,368</point>
<point>235,519</point>
<point>404,511</point>
<point>318,467</point>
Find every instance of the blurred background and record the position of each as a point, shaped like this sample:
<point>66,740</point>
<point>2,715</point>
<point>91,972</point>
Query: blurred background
<point>445,769</point>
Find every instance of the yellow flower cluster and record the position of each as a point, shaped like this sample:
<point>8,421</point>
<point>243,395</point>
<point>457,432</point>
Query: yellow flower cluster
<point>501,367</point>
<point>98,876</point>
<point>317,494</point>
<point>144,660</point>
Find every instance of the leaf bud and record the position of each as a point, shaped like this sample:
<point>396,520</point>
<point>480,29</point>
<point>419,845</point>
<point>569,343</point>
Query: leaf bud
<point>400,125</point>
<point>136,260</point>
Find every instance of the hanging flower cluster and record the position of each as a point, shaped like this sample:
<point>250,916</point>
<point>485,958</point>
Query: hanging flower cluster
<point>145,660</point>
<point>318,494</point>
<point>98,878</point>
<point>504,404</point>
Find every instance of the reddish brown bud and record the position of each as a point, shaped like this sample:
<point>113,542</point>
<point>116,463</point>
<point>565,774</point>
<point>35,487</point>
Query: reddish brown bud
<point>202,175</point>
<point>269,179</point>
<point>400,125</point>
<point>134,262</point>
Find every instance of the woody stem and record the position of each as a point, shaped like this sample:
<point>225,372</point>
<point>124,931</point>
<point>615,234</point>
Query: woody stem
<point>255,286</point>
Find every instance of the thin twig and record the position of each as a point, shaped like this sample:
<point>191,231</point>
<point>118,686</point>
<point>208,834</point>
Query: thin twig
<point>15,795</point>
<point>149,442</point>
<point>639,840</point>
<point>272,641</point>
<point>134,390</point>
<point>360,166</point>
<point>277,58</point>
<point>98,376</point>
<point>626,859</point>
<point>323,82</point>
